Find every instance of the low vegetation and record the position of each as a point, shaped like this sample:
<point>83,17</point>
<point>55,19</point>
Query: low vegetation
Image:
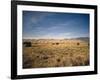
<point>55,53</point>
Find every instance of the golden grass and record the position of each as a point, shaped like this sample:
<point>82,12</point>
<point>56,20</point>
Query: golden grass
<point>49,54</point>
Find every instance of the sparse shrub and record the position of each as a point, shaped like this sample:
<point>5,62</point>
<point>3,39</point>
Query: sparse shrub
<point>58,60</point>
<point>45,57</point>
<point>27,44</point>
<point>57,43</point>
<point>37,56</point>
<point>78,43</point>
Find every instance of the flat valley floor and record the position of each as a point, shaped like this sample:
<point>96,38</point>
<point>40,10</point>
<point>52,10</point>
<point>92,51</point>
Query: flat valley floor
<point>55,53</point>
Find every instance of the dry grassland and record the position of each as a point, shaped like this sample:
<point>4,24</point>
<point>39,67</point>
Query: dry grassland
<point>55,53</point>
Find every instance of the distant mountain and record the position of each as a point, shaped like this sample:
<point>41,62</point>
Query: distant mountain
<point>83,38</point>
<point>86,39</point>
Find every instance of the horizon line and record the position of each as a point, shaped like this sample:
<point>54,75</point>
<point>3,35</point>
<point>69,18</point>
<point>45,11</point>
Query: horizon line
<point>57,38</point>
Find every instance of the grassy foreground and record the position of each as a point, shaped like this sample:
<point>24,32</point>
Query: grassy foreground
<point>55,53</point>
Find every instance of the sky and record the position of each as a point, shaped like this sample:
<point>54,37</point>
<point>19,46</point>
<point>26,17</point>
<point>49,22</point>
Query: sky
<point>54,25</point>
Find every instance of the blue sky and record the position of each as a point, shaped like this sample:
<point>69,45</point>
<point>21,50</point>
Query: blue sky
<point>51,25</point>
